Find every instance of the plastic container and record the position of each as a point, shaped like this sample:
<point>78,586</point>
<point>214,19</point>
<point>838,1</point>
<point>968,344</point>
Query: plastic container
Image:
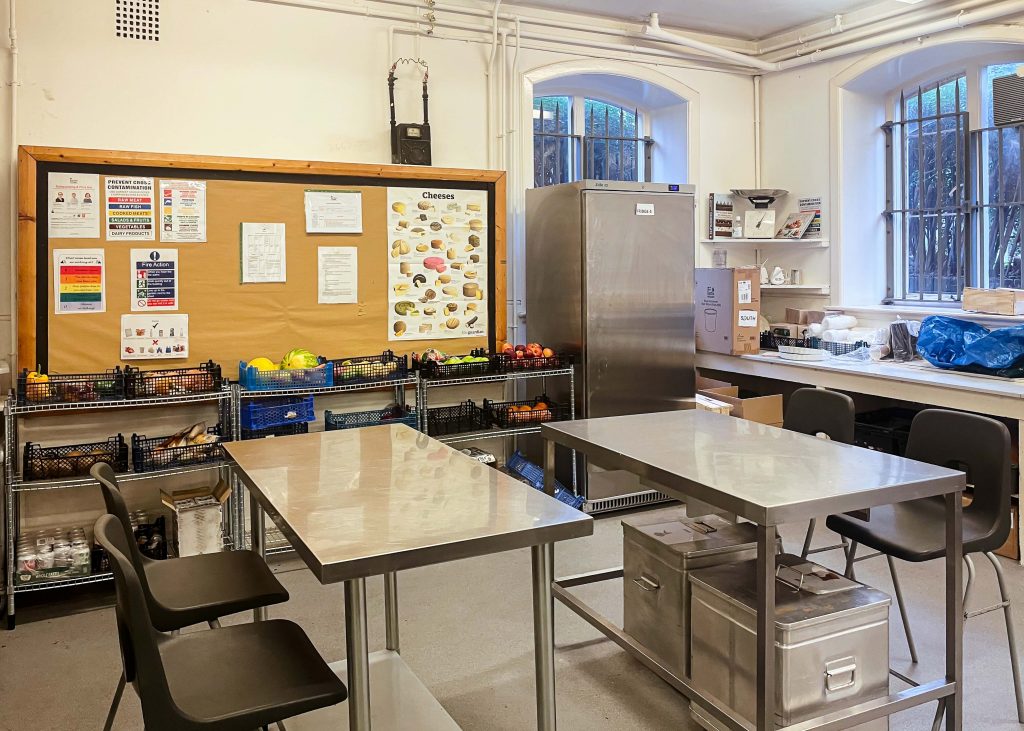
<point>500,414</point>
<point>509,364</point>
<point>267,413</point>
<point>884,430</point>
<point>148,456</point>
<point>60,388</point>
<point>463,417</point>
<point>370,369</point>
<point>432,369</point>
<point>334,420</point>
<point>533,474</point>
<point>253,379</point>
<point>72,460</point>
<point>287,430</point>
<point>203,378</point>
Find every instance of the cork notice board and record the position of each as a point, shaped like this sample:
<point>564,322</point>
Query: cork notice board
<point>230,321</point>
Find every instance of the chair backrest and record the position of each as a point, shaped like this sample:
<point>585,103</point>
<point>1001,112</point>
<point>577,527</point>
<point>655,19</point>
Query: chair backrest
<point>139,641</point>
<point>979,446</point>
<point>817,411</point>
<point>103,473</point>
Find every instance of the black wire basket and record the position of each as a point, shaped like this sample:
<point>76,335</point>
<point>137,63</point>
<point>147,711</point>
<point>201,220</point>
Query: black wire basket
<point>62,388</point>
<point>464,417</point>
<point>510,364</point>
<point>204,378</point>
<point>432,369</point>
<point>149,455</point>
<point>285,430</point>
<point>364,369</point>
<point>73,460</point>
<point>512,414</point>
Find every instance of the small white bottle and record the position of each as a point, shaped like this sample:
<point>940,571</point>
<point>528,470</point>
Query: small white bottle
<point>737,227</point>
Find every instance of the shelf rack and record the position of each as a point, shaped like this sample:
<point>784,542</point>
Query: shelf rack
<point>14,485</point>
<point>772,243</point>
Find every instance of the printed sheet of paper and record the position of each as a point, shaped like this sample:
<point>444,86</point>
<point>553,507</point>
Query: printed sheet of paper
<point>263,253</point>
<point>73,201</point>
<point>183,211</point>
<point>131,213</point>
<point>151,337</point>
<point>334,212</point>
<point>337,275</point>
<point>155,273</point>
<point>79,283</point>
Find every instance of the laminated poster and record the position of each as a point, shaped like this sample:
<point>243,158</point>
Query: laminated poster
<point>74,206</point>
<point>130,209</point>
<point>337,275</point>
<point>182,211</point>
<point>334,212</point>
<point>437,263</point>
<point>79,284</point>
<point>152,337</point>
<point>155,274</point>
<point>264,256</point>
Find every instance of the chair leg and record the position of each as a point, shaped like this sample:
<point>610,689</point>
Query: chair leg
<point>1010,635</point>
<point>940,711</point>
<point>903,609</point>
<point>214,624</point>
<point>807,539</point>
<point>112,713</point>
<point>969,563</point>
<point>850,557</point>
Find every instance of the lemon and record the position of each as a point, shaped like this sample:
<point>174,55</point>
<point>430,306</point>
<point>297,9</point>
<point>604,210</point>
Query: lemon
<point>262,364</point>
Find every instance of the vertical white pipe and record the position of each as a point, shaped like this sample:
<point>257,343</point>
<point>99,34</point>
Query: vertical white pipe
<point>757,131</point>
<point>502,124</point>
<point>489,72</point>
<point>12,33</point>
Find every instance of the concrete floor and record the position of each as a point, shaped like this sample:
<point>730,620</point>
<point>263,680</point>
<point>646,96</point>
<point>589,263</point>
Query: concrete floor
<point>466,631</point>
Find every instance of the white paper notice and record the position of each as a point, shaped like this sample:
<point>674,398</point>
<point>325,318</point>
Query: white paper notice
<point>74,206</point>
<point>747,318</point>
<point>155,273</point>
<point>744,291</point>
<point>183,211</point>
<point>337,275</point>
<point>334,212</point>
<point>145,337</point>
<point>131,213</point>
<point>263,252</point>
<point>79,281</point>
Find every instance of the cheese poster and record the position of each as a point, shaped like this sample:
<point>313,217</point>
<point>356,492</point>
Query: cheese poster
<point>130,210</point>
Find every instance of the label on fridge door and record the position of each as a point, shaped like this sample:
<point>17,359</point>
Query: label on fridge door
<point>645,209</point>
<point>748,318</point>
<point>743,291</point>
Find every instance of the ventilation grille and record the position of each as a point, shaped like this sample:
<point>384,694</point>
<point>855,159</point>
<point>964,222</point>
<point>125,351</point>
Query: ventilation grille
<point>621,502</point>
<point>1008,100</point>
<point>137,19</point>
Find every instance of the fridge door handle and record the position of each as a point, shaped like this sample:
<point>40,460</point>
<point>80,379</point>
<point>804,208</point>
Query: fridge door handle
<point>840,674</point>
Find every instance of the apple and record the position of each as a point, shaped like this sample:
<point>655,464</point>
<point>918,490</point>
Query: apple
<point>548,353</point>
<point>520,354</point>
<point>533,350</point>
<point>508,349</point>
<point>520,348</point>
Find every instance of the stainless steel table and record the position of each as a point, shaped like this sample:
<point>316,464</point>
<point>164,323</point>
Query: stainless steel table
<point>377,500</point>
<point>768,476</point>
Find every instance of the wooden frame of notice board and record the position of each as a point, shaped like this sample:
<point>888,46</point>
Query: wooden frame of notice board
<point>230,321</point>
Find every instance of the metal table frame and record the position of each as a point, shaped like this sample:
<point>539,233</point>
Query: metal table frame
<point>947,691</point>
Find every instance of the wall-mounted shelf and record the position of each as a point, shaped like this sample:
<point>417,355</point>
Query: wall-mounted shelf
<point>794,289</point>
<point>773,243</point>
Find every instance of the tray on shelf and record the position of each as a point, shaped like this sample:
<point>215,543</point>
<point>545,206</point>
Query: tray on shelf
<point>60,388</point>
<point>370,369</point>
<point>286,430</point>
<point>434,370</point>
<point>266,413</point>
<point>72,460</point>
<point>148,455</point>
<point>464,417</point>
<point>533,474</point>
<point>511,414</point>
<point>253,379</point>
<point>334,420</point>
<point>772,342</point>
<point>203,378</point>
<point>509,364</point>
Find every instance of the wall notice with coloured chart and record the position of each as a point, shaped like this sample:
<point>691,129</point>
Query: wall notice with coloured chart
<point>182,211</point>
<point>79,281</point>
<point>437,263</point>
<point>131,214</point>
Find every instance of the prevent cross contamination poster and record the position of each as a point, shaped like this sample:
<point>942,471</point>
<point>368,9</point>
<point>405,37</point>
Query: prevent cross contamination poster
<point>130,209</point>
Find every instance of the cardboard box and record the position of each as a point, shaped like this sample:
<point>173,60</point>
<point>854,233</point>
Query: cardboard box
<point>787,330</point>
<point>198,517</point>
<point>706,403</point>
<point>994,301</point>
<point>1010,549</point>
<point>804,317</point>
<point>727,305</point>
<point>762,409</point>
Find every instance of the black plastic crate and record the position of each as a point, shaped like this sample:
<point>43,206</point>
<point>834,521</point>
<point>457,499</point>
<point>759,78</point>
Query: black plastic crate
<point>148,456</point>
<point>285,430</point>
<point>370,368</point>
<point>60,388</point>
<point>770,341</point>
<point>510,364</point>
<point>334,420</point>
<point>499,413</point>
<point>463,417</point>
<point>884,430</point>
<point>432,369</point>
<point>203,378</point>
<point>72,460</point>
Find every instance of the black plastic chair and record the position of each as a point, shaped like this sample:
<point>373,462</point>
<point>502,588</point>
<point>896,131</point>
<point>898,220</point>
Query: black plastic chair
<point>815,412</point>
<point>914,531</point>
<point>227,679</point>
<point>185,591</point>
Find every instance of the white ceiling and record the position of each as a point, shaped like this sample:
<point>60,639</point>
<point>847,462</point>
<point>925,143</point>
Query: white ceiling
<point>746,19</point>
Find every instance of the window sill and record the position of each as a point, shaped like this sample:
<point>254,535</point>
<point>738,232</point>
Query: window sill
<point>915,313</point>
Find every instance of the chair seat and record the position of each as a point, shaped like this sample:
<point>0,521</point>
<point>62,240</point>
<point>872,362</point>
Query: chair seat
<point>915,531</point>
<point>247,676</point>
<point>197,589</point>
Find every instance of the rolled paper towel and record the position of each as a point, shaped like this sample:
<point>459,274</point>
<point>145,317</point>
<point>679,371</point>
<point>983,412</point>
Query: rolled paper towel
<point>839,322</point>
<point>815,330</point>
<point>877,352</point>
<point>835,336</point>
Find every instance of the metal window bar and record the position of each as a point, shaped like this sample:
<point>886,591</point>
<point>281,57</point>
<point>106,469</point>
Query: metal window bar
<point>1000,182</point>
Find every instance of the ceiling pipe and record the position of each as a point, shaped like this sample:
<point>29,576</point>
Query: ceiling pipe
<point>654,31</point>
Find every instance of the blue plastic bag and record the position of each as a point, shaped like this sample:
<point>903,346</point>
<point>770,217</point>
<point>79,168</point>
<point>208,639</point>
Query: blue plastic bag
<point>960,345</point>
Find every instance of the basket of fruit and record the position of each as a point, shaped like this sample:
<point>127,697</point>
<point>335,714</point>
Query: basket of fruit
<point>435,364</point>
<point>285,430</point>
<point>59,388</point>
<point>191,446</point>
<point>463,417</point>
<point>73,460</point>
<point>203,378</point>
<point>393,414</point>
<point>529,356</point>
<point>298,369</point>
<point>370,368</point>
<point>266,413</point>
<point>511,414</point>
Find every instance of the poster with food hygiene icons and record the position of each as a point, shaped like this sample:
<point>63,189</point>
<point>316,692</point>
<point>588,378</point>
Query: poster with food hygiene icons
<point>437,263</point>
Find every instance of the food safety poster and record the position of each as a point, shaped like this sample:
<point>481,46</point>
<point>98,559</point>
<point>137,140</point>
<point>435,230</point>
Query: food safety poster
<point>437,263</point>
<point>79,281</point>
<point>73,200</point>
<point>155,276</point>
<point>182,211</point>
<point>130,209</point>
<point>145,337</point>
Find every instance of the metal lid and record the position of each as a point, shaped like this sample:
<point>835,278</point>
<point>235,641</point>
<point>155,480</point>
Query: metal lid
<point>691,537</point>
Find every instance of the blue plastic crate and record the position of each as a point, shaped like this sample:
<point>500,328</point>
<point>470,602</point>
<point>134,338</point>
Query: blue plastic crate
<point>534,474</point>
<point>253,379</point>
<point>266,413</point>
<point>334,420</point>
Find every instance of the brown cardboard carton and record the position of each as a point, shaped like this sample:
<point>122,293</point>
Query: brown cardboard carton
<point>804,317</point>
<point>787,330</point>
<point>727,306</point>
<point>994,301</point>
<point>762,409</point>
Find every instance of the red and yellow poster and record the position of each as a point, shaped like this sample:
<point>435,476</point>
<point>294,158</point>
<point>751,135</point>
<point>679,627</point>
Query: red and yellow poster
<point>79,283</point>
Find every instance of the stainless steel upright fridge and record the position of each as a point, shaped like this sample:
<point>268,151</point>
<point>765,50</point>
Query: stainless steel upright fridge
<point>609,278</point>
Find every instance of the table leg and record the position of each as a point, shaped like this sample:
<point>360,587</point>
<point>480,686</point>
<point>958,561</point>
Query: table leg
<point>543,558</point>
<point>258,541</point>
<point>766,540</point>
<point>357,653</point>
<point>549,467</point>
<point>954,610</point>
<point>391,611</point>
<point>1020,489</point>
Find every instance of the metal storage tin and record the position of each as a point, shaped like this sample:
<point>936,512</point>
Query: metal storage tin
<point>831,641</point>
<point>658,552</point>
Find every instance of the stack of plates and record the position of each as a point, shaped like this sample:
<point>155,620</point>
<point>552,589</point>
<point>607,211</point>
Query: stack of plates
<point>791,352</point>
